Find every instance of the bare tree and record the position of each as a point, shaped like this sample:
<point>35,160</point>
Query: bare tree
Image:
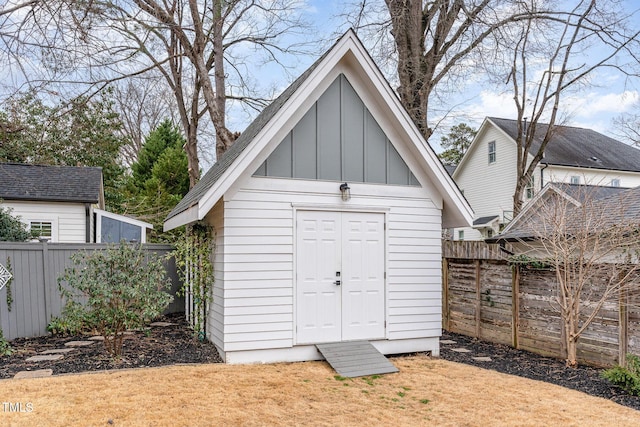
<point>628,126</point>
<point>202,48</point>
<point>142,104</point>
<point>592,244</point>
<point>561,43</point>
<point>435,43</point>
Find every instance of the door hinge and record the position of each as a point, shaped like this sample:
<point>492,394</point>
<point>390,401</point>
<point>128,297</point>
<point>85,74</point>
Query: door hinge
<point>385,274</point>
<point>385,324</point>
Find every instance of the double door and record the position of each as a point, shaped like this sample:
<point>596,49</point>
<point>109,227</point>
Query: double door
<point>339,276</point>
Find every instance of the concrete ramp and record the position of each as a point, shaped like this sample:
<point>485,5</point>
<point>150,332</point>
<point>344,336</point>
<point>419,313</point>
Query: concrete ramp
<point>355,358</point>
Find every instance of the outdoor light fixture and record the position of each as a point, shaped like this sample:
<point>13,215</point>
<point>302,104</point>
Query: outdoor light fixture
<point>346,192</point>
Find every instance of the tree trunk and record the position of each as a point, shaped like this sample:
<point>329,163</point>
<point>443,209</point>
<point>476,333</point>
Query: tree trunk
<point>408,32</point>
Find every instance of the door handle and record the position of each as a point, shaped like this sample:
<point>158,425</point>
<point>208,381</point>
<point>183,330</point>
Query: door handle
<point>337,283</point>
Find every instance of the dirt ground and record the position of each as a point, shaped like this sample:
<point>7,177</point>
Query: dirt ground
<point>425,392</point>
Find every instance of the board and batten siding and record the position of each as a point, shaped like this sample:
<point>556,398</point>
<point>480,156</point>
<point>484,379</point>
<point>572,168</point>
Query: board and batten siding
<point>68,220</point>
<point>257,291</point>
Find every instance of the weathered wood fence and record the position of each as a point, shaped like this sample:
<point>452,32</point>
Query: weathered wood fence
<point>34,289</point>
<point>485,297</point>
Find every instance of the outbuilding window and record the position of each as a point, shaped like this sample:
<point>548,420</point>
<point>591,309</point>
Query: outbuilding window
<point>615,182</point>
<point>42,229</point>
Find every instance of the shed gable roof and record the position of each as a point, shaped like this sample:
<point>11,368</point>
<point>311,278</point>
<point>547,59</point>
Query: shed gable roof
<point>196,204</point>
<point>50,183</point>
<point>578,147</point>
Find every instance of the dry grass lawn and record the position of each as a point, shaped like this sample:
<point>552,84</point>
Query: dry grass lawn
<point>425,392</point>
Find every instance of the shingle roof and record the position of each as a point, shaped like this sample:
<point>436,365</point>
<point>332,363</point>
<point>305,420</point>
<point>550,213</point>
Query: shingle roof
<point>485,220</point>
<point>216,171</point>
<point>50,183</point>
<point>623,204</point>
<point>579,147</point>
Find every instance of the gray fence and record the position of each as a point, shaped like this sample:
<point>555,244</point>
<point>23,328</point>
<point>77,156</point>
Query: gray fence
<point>34,289</point>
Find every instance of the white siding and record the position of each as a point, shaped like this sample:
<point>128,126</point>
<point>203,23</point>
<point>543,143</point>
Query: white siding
<point>216,310</point>
<point>591,176</point>
<point>488,187</point>
<point>68,219</point>
<point>258,297</point>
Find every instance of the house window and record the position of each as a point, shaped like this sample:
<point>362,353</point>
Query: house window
<point>460,234</point>
<point>615,182</point>
<point>529,190</point>
<point>575,180</point>
<point>492,152</point>
<point>489,233</point>
<point>41,229</point>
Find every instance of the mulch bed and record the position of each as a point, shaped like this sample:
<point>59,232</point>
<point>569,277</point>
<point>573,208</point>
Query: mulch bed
<point>161,346</point>
<point>508,360</point>
<point>157,346</point>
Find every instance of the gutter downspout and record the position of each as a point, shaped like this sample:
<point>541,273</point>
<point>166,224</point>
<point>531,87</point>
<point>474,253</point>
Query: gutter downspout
<point>87,211</point>
<point>546,165</point>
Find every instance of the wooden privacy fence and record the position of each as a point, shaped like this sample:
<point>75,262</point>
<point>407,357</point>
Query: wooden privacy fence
<point>485,297</point>
<point>33,292</point>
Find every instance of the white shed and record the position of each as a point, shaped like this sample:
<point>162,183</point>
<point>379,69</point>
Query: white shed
<point>299,260</point>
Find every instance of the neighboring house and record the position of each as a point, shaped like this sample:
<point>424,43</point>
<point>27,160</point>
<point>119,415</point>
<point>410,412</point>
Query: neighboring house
<point>558,208</point>
<point>65,204</point>
<point>327,213</point>
<point>487,173</point>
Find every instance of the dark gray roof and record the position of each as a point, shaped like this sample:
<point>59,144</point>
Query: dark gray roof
<point>484,220</point>
<point>216,171</point>
<point>622,203</point>
<point>50,183</point>
<point>579,147</point>
<point>580,191</point>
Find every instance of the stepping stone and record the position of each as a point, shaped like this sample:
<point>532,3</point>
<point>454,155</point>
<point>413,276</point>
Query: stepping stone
<point>38,373</point>
<point>45,357</point>
<point>482,359</point>
<point>447,342</point>
<point>162,324</point>
<point>461,350</point>
<point>96,338</point>
<point>58,351</point>
<point>78,343</point>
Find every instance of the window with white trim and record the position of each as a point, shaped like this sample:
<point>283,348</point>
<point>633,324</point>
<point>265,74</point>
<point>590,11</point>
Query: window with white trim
<point>575,180</point>
<point>615,182</point>
<point>529,190</point>
<point>492,152</point>
<point>460,234</point>
<point>42,229</point>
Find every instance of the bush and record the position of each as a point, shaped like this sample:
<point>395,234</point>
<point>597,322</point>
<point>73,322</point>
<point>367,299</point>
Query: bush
<point>74,320</point>
<point>5,348</point>
<point>626,377</point>
<point>123,288</point>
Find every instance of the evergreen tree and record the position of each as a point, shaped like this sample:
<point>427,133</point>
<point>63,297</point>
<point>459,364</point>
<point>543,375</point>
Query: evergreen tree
<point>456,143</point>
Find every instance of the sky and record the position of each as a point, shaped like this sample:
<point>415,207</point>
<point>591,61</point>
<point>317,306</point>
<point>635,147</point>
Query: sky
<point>594,106</point>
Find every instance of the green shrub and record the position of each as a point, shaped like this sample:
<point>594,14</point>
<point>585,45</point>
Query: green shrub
<point>74,320</point>
<point>5,348</point>
<point>123,288</point>
<point>626,377</point>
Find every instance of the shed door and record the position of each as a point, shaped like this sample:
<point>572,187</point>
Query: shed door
<point>346,247</point>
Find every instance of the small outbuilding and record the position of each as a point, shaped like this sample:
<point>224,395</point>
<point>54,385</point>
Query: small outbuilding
<point>328,214</point>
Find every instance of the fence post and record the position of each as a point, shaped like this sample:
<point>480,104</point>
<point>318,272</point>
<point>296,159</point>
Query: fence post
<point>47,280</point>
<point>478,298</point>
<point>445,294</point>
<point>515,304</point>
<point>623,325</point>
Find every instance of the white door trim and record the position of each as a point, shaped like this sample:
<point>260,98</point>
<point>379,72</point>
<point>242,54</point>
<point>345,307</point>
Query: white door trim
<point>337,208</point>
